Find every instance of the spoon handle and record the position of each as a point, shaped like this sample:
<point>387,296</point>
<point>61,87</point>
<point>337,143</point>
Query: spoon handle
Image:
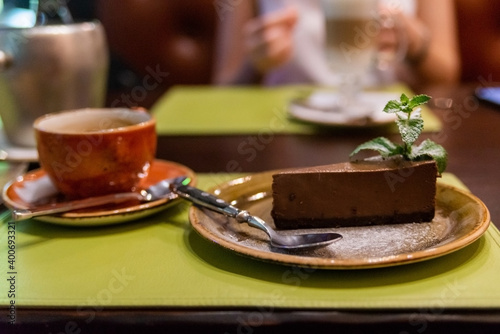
<point>48,209</point>
<point>212,202</point>
<point>204,199</point>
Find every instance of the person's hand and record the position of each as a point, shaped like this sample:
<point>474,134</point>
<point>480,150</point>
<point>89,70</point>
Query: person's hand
<point>269,40</point>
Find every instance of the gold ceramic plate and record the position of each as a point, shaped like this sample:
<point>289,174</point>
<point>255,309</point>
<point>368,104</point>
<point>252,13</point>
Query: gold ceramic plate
<point>461,218</point>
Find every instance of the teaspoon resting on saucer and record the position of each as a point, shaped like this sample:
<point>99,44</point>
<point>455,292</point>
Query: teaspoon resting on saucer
<point>157,191</point>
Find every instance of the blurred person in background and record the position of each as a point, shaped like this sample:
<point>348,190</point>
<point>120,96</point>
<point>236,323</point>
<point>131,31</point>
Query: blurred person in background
<point>285,44</point>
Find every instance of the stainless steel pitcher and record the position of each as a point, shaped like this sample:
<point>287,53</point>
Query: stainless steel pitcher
<point>49,68</point>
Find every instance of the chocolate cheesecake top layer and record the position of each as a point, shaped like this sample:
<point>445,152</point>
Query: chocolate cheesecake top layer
<point>355,193</point>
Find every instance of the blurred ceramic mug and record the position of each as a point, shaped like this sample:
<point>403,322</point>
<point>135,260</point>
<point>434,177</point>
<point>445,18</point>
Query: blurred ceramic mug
<point>49,68</point>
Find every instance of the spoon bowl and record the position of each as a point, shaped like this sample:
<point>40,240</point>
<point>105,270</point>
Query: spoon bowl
<point>210,201</point>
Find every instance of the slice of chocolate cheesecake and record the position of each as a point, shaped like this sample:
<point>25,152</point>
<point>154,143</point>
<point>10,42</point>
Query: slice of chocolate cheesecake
<point>355,193</point>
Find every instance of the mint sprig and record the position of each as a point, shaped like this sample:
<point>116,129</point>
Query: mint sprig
<point>410,123</point>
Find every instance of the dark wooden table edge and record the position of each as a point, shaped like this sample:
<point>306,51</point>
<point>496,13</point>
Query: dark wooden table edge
<point>251,320</point>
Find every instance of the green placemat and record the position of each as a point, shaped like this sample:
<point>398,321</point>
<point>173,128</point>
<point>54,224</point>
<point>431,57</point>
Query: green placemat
<point>161,261</point>
<point>215,110</point>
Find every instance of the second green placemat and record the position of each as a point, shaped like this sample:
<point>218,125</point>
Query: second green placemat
<point>215,110</point>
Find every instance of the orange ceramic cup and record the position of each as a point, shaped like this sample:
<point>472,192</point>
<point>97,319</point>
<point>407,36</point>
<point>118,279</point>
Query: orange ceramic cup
<point>91,152</point>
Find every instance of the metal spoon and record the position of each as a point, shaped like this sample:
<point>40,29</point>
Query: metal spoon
<point>155,192</point>
<point>216,204</point>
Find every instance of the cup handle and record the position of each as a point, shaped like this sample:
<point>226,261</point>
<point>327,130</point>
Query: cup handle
<point>5,60</point>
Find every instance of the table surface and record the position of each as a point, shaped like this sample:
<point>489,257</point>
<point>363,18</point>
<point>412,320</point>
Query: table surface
<point>470,135</point>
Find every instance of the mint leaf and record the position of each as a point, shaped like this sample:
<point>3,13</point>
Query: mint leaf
<point>410,129</point>
<point>418,100</point>
<point>430,150</point>
<point>410,124</point>
<point>392,107</point>
<point>382,145</point>
<point>404,99</point>
<point>405,105</point>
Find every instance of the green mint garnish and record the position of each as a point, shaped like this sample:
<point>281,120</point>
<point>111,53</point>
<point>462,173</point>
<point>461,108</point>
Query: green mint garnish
<point>410,124</point>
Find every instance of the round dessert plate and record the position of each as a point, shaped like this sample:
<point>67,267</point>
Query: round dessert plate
<point>315,109</point>
<point>461,218</point>
<point>102,215</point>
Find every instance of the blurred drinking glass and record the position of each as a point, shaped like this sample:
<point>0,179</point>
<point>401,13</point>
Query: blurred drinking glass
<point>352,29</point>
